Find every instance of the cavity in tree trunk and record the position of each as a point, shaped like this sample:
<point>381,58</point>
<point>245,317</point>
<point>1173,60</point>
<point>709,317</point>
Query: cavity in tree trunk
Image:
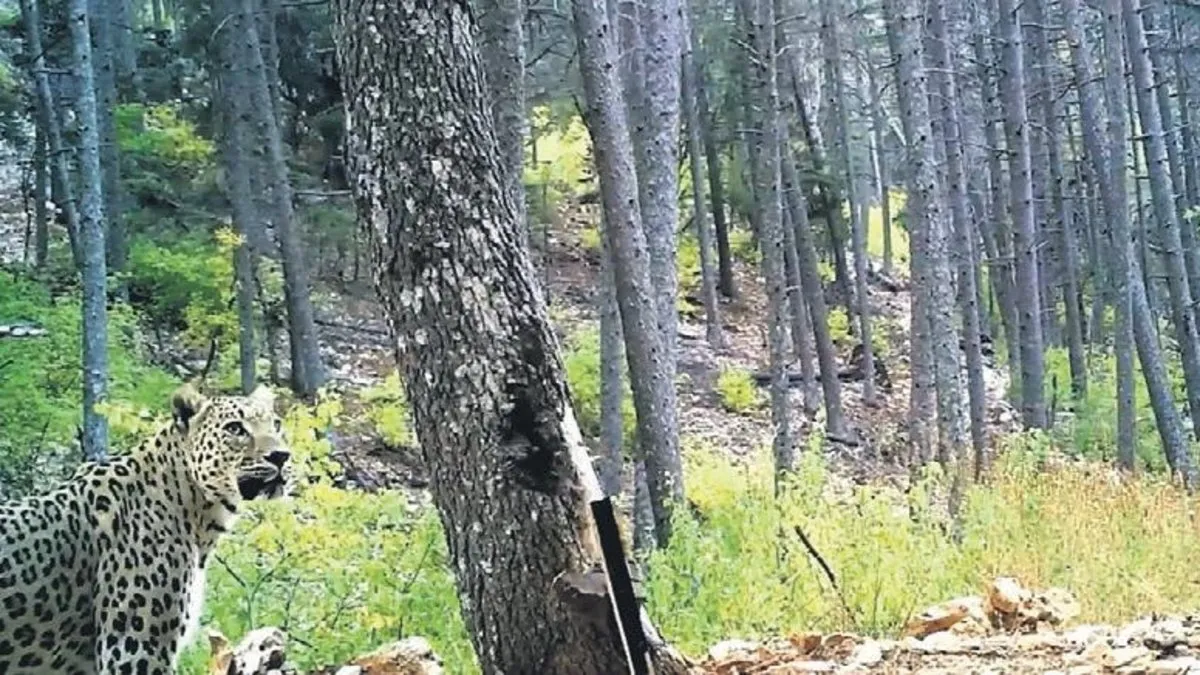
<point>650,379</point>
<point>474,343</point>
<point>91,232</point>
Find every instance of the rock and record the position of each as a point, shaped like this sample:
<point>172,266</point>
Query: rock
<point>260,652</point>
<point>1006,595</point>
<point>938,618</point>
<point>1176,666</point>
<point>349,670</point>
<point>410,656</point>
<point>730,648</point>
<point>1128,657</point>
<point>1166,635</point>
<point>1053,606</point>
<point>1132,633</point>
<point>867,654</point>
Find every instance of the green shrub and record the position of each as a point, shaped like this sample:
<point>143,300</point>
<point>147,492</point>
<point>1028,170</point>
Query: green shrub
<point>41,387</point>
<point>563,160</point>
<point>582,363</point>
<point>387,410</point>
<point>743,573</point>
<point>164,160</point>
<point>736,388</point>
<point>743,247</point>
<point>186,286</point>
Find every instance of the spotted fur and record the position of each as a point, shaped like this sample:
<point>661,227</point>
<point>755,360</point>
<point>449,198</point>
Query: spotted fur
<point>104,575</point>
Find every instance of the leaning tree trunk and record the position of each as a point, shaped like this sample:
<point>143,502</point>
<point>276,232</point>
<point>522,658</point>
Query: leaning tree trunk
<point>91,240</point>
<point>649,370</point>
<point>474,343</point>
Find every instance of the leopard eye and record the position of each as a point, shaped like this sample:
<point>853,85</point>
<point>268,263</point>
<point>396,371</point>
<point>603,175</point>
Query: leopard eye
<point>235,428</point>
<point>278,425</point>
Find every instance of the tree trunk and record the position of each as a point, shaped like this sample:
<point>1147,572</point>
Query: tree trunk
<point>507,463</point>
<point>771,239</point>
<point>653,389</point>
<point>308,373</point>
<point>502,41</point>
<point>712,160</point>
<point>836,100</point>
<point>1165,212</point>
<point>946,94</point>
<point>41,190</point>
<point>612,365</point>
<point>91,234</point>
<point>62,185</point>
<point>1025,236</point>
<point>879,133</point>
<point>708,282</point>
<point>103,30</point>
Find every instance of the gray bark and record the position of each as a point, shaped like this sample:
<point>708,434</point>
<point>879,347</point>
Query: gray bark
<point>801,323</point>
<point>818,312</point>
<point>103,30</point>
<point>41,192</point>
<point>771,239</point>
<point>922,393</point>
<point>58,160</point>
<point>712,161</point>
<point>1162,198</point>
<point>836,101</point>
<point>708,282</point>
<point>1016,126</point>
<point>653,390</point>
<point>92,238</point>
<point>612,364</point>
<point>945,93</point>
<point>503,44</point>
<point>879,134</point>
<point>308,372</point>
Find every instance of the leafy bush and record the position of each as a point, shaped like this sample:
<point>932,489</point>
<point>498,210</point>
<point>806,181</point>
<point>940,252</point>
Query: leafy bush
<point>744,574</point>
<point>743,247</point>
<point>165,161</point>
<point>839,326</point>
<point>187,285</point>
<point>387,410</point>
<point>563,153</point>
<point>900,254</point>
<point>582,363</point>
<point>343,571</point>
<point>736,388</point>
<point>41,389</point>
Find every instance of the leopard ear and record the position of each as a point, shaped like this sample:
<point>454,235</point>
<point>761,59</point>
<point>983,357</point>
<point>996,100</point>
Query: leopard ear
<point>185,403</point>
<point>263,396</point>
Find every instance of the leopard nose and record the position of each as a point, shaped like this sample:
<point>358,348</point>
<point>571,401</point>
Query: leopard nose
<point>278,457</point>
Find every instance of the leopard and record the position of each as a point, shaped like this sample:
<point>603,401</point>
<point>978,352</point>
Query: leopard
<point>103,574</point>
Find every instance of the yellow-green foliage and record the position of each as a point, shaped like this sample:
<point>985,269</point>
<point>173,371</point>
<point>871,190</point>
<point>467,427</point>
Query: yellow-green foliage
<point>1092,429</point>
<point>187,285</point>
<point>900,255</point>
<point>582,363</point>
<point>736,388</point>
<point>158,131</point>
<point>839,326</point>
<point>344,571</point>
<point>744,573</point>
<point>563,151</point>
<point>387,410</point>
<point>589,237</point>
<point>743,247</point>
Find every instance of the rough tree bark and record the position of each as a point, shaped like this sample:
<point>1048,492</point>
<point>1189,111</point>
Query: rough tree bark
<point>473,340</point>
<point>1025,236</point>
<point>708,281</point>
<point>836,102</point>
<point>771,239</point>
<point>503,45</point>
<point>649,368</point>
<point>1162,199</point>
<point>91,239</point>
<point>60,171</point>
<point>308,372</point>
